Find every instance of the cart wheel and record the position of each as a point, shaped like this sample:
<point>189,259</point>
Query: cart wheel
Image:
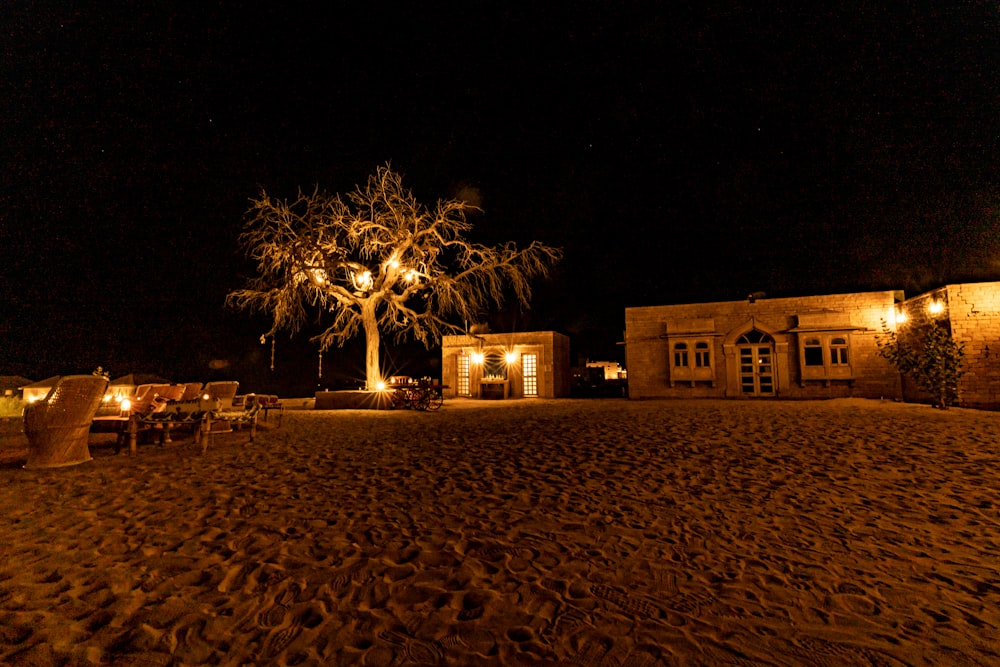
<point>398,399</point>
<point>435,400</point>
<point>421,400</point>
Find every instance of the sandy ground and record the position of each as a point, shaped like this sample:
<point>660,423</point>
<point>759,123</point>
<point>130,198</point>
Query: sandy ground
<point>593,533</point>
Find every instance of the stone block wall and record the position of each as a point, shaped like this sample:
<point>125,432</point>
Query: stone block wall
<point>973,311</point>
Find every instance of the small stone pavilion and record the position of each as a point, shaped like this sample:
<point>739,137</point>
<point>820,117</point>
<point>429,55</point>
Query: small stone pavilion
<point>807,347</point>
<point>534,364</point>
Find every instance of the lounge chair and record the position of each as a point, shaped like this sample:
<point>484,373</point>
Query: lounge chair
<point>149,400</point>
<point>192,390</point>
<point>224,391</point>
<point>192,414</point>
<point>229,419</point>
<point>58,426</point>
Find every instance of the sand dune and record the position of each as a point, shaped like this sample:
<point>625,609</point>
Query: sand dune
<point>593,533</point>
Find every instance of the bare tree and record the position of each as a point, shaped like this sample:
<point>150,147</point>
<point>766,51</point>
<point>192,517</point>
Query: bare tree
<point>378,261</point>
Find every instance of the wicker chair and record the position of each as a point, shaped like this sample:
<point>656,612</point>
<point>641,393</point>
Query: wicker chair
<point>58,426</point>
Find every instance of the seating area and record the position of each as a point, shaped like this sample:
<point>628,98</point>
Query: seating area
<point>61,415</point>
<point>212,409</point>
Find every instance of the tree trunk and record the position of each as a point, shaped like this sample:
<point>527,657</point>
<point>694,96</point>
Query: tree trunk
<point>373,375</point>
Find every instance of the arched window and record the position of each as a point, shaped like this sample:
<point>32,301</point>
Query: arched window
<point>753,337</point>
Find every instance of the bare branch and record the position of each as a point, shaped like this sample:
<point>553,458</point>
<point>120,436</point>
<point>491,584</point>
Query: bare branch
<point>378,260</point>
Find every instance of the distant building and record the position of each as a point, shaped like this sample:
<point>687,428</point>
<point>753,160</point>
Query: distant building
<point>806,347</point>
<point>36,391</point>
<point>11,385</point>
<point>532,364</point>
<point>611,370</point>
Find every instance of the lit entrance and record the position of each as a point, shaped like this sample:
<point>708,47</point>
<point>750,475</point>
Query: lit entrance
<point>756,354</point>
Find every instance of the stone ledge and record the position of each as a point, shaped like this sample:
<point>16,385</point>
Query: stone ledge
<point>353,400</point>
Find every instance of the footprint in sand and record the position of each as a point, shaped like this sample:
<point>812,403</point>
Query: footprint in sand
<point>640,658</point>
<point>420,652</point>
<point>472,640</point>
<point>497,552</point>
<point>820,651</point>
<point>473,606</point>
<point>378,656</point>
<point>635,606</point>
<point>279,640</point>
<point>272,616</point>
<point>591,650</point>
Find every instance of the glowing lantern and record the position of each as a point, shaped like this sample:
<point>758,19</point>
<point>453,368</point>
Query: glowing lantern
<point>362,281</point>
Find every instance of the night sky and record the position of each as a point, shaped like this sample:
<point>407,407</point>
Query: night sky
<point>676,151</point>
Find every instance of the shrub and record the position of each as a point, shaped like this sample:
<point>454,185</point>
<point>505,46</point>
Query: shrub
<point>928,355</point>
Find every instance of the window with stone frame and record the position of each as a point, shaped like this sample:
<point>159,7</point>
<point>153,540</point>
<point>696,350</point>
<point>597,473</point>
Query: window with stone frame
<point>839,351</point>
<point>812,351</point>
<point>680,355</point>
<point>691,361</point>
<point>825,356</point>
<point>702,355</point>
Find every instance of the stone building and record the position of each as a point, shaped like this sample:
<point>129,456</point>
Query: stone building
<point>800,347</point>
<point>808,347</point>
<point>532,364</point>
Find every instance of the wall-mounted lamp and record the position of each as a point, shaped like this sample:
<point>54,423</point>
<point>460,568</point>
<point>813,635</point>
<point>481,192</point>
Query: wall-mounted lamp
<point>477,357</point>
<point>935,307</point>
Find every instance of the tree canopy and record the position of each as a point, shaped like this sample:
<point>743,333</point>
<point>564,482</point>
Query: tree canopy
<point>376,261</point>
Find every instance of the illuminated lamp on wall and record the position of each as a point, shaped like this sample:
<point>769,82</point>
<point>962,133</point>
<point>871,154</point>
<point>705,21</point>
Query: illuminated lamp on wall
<point>935,307</point>
<point>477,357</point>
<point>510,357</point>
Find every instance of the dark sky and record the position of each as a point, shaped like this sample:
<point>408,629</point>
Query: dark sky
<point>676,151</point>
